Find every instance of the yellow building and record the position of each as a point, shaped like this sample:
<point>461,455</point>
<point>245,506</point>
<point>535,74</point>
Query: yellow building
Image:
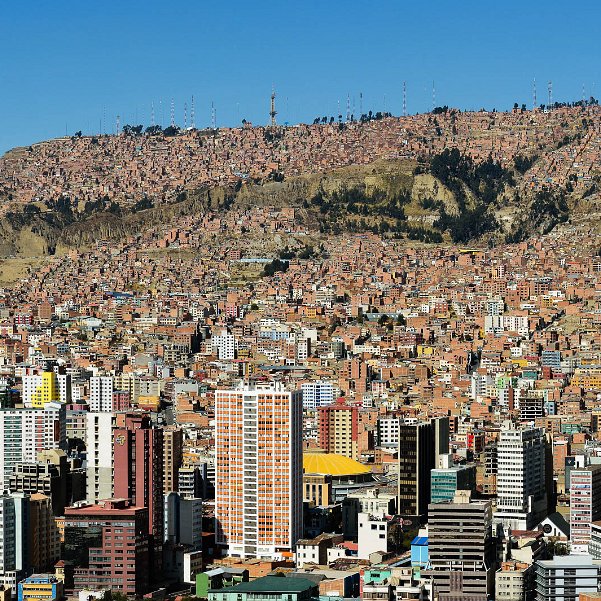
<point>40,587</point>
<point>47,392</point>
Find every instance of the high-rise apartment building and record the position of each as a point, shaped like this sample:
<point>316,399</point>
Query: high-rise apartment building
<point>44,539</point>
<point>339,428</point>
<point>585,505</point>
<point>26,432</point>
<point>47,387</point>
<point>521,484</point>
<point>224,344</point>
<point>101,393</point>
<point>258,491</point>
<point>99,456</point>
<point>420,445</point>
<point>138,467</point>
<point>183,520</point>
<point>461,548</point>
<point>317,394</point>
<point>14,537</point>
<point>108,546</point>
<point>173,440</point>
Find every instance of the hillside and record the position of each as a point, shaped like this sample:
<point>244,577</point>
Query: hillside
<point>447,177</point>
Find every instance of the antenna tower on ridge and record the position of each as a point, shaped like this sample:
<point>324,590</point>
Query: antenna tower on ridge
<point>404,99</point>
<point>192,120</point>
<point>152,113</point>
<point>185,115</point>
<point>118,124</point>
<point>534,94</point>
<point>348,107</point>
<point>361,103</point>
<point>172,113</point>
<point>550,90</point>
<point>433,96</point>
<point>213,115</point>
<point>272,111</point>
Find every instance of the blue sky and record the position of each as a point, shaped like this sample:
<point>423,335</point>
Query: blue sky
<point>66,65</point>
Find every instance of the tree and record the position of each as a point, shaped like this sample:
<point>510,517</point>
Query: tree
<point>171,131</point>
<point>153,130</point>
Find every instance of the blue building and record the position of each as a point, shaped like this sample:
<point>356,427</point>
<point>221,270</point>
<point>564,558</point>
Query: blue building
<point>419,552</point>
<point>444,482</point>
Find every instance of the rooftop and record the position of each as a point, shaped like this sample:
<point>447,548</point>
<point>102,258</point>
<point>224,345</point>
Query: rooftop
<point>273,584</point>
<point>330,463</point>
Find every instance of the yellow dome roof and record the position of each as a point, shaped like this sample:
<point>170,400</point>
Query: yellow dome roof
<point>335,465</point>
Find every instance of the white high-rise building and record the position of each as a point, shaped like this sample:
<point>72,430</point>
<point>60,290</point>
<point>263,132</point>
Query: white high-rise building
<point>31,383</point>
<point>64,387</point>
<point>101,393</point>
<point>26,432</point>
<point>99,449</point>
<point>225,344</point>
<point>258,489</point>
<point>521,492</point>
<point>318,393</point>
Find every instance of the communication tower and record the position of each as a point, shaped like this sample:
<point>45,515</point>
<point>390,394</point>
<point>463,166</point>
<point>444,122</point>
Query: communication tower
<point>272,111</point>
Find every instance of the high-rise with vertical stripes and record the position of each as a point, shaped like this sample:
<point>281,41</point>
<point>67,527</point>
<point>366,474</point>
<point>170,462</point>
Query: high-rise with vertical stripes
<point>258,490</point>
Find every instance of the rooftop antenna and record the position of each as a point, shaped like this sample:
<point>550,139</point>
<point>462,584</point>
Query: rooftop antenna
<point>152,113</point>
<point>534,94</point>
<point>550,90</point>
<point>404,99</point>
<point>272,111</point>
<point>118,124</point>
<point>433,96</point>
<point>185,115</point>
<point>348,107</point>
<point>172,123</point>
<point>192,120</point>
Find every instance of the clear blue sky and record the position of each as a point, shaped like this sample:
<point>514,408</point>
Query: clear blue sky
<point>66,63</point>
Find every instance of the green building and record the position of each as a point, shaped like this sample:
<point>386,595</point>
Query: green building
<point>219,578</point>
<point>445,481</point>
<point>268,588</point>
